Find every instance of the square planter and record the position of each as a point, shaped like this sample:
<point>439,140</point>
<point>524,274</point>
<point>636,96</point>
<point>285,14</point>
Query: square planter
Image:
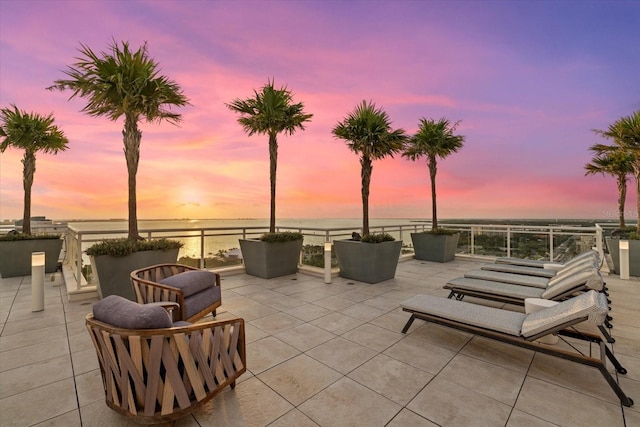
<point>270,259</point>
<point>367,262</point>
<point>112,274</point>
<point>613,245</point>
<point>435,247</point>
<point>15,256</point>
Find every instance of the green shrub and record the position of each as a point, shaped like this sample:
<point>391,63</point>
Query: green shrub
<point>123,247</point>
<point>10,237</point>
<point>282,236</point>
<point>441,231</point>
<point>634,236</point>
<point>378,238</point>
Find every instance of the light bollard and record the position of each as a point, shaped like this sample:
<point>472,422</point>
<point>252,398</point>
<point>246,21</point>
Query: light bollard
<point>37,281</point>
<point>624,259</point>
<point>327,262</point>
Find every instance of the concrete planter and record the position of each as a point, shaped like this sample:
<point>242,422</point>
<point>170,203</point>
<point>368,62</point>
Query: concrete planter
<point>112,274</point>
<point>435,247</point>
<point>15,256</point>
<point>367,262</point>
<point>268,260</point>
<point>613,245</point>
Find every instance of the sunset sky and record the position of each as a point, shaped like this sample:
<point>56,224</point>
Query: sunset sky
<point>528,80</point>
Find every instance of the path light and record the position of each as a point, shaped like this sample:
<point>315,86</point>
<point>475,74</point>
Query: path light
<point>624,259</point>
<point>327,262</point>
<point>37,281</point>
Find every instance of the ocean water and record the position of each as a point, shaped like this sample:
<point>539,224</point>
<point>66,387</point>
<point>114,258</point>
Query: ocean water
<point>225,240</point>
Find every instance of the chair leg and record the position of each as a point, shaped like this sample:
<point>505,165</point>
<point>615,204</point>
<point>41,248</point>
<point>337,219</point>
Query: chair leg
<point>408,325</point>
<point>232,385</point>
<point>213,313</point>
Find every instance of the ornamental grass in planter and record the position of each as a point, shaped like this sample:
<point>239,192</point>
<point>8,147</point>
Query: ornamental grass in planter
<point>272,255</point>
<point>113,260</point>
<point>16,250</point>
<point>371,260</point>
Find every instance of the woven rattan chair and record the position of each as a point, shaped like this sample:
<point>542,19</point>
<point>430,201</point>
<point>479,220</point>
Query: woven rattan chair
<point>159,375</point>
<point>197,291</point>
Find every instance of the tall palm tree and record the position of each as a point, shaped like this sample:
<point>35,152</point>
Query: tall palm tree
<point>368,133</point>
<point>625,133</point>
<point>611,160</point>
<point>31,132</point>
<point>124,83</point>
<point>270,111</point>
<point>434,140</point>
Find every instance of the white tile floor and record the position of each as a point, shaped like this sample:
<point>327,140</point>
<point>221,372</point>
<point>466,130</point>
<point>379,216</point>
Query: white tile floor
<point>326,355</point>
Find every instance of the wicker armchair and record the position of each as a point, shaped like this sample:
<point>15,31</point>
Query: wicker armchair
<point>159,375</point>
<point>197,291</point>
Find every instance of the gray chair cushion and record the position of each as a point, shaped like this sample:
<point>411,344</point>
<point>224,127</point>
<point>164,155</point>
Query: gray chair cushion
<point>123,313</point>
<point>191,282</point>
<point>495,319</point>
<point>516,279</point>
<point>494,288</point>
<point>585,279</point>
<point>198,302</point>
<point>589,304</point>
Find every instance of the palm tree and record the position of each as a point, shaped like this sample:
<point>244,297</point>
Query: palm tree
<point>611,160</point>
<point>124,83</point>
<point>368,133</point>
<point>270,111</point>
<point>434,140</point>
<point>31,132</point>
<point>625,133</point>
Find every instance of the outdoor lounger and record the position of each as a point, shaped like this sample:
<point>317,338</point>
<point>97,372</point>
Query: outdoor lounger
<point>523,329</point>
<point>559,289</point>
<point>546,269</point>
<point>591,254</point>
<point>528,280</point>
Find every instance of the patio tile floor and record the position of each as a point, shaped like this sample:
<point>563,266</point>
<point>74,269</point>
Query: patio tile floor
<point>326,355</point>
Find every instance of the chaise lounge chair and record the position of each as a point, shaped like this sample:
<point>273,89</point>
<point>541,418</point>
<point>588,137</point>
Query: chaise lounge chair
<point>529,280</point>
<point>523,329</point>
<point>545,270</point>
<point>560,288</point>
<point>591,254</point>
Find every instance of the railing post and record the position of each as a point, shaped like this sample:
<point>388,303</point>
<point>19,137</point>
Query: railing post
<point>202,263</point>
<point>472,241</point>
<point>79,261</point>
<point>599,240</point>
<point>327,262</point>
<point>508,241</point>
<point>551,257</point>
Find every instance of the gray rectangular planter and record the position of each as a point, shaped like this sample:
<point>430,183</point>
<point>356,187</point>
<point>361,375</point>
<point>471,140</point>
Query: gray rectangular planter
<point>613,245</point>
<point>15,256</point>
<point>112,274</point>
<point>435,247</point>
<point>270,259</point>
<point>367,262</point>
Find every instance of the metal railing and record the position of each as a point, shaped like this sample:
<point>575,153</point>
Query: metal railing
<point>477,240</point>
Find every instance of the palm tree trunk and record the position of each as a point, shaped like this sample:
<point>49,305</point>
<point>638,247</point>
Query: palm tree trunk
<point>622,197</point>
<point>273,166</point>
<point>132,136</point>
<point>366,170</point>
<point>28,171</point>
<point>433,169</point>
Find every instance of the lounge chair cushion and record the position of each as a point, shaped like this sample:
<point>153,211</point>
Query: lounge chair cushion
<point>191,282</point>
<point>590,279</point>
<point>591,304</point>
<point>520,269</point>
<point>509,322</point>
<point>516,279</point>
<point>494,288</point>
<point>123,313</point>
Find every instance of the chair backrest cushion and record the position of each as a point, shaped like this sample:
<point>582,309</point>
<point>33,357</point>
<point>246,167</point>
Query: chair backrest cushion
<point>588,278</point>
<point>123,313</point>
<point>590,304</point>
<point>191,282</point>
